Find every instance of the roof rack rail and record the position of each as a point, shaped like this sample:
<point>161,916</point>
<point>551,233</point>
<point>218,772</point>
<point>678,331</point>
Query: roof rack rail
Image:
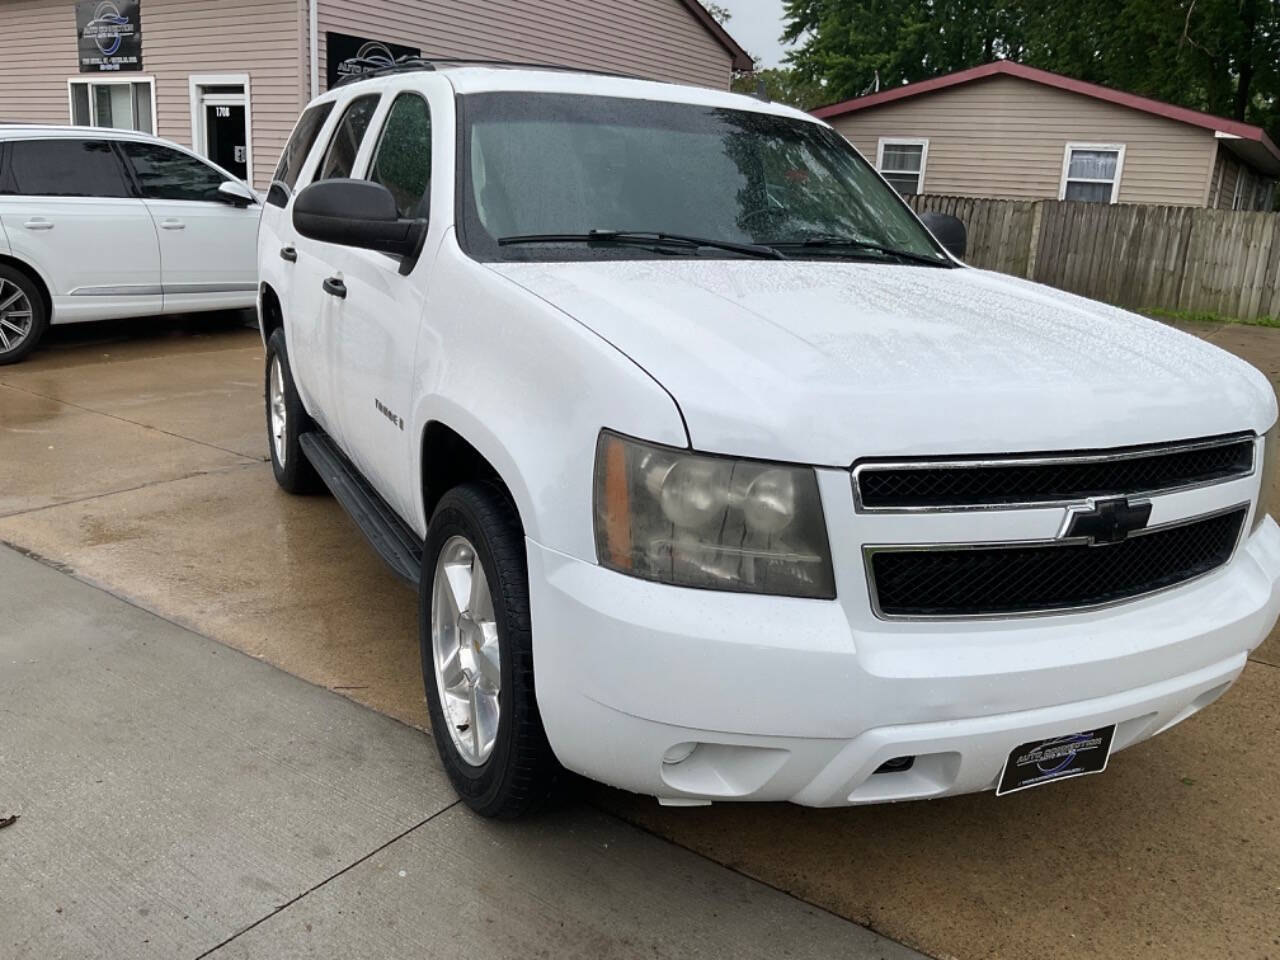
<point>534,65</point>
<point>381,67</point>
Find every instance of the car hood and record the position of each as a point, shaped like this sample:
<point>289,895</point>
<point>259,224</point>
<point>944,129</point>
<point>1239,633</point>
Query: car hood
<point>824,363</point>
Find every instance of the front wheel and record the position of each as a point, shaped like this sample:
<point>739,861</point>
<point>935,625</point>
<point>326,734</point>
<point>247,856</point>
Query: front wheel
<point>477,655</point>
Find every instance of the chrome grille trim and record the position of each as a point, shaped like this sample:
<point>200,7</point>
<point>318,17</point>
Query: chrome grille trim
<point>1034,460</point>
<point>871,549</point>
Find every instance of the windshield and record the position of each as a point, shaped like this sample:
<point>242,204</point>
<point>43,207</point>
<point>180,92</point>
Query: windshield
<point>537,164</point>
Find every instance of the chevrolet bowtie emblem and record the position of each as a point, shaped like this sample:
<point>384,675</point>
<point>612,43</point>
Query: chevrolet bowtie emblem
<point>1106,521</point>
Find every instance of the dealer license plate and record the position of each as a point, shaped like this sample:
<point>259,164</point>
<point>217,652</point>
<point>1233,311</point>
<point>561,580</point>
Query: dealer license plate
<point>1059,758</point>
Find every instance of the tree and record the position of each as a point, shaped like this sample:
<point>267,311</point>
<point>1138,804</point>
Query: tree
<point>721,14</point>
<point>784,85</point>
<point>1221,56</point>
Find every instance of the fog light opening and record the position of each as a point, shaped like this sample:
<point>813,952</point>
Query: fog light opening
<point>679,753</point>
<point>895,765</point>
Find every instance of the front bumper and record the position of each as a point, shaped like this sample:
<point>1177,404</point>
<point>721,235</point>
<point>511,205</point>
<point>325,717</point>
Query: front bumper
<point>803,700</point>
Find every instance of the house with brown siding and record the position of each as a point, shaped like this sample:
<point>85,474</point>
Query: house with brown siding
<point>229,77</point>
<point>1010,131</point>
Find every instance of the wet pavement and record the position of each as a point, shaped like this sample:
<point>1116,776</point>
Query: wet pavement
<point>137,461</point>
<point>178,799</point>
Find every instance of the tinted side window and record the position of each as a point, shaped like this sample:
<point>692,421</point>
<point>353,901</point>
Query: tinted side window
<point>402,162</point>
<point>66,168</point>
<point>300,144</point>
<point>341,155</point>
<point>167,174</point>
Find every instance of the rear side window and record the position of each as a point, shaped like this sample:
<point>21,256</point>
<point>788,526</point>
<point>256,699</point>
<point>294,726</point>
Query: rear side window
<point>402,162</point>
<point>65,168</point>
<point>167,174</point>
<point>340,158</point>
<point>300,144</point>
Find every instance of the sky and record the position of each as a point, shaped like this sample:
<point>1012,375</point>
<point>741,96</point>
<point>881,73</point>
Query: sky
<point>756,25</point>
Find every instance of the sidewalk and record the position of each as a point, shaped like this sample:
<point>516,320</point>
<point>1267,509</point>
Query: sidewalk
<point>181,800</point>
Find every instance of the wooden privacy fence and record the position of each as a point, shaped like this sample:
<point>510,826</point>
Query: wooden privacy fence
<point>1135,256</point>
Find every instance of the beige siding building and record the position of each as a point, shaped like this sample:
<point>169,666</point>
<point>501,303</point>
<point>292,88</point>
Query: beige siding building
<point>1010,131</point>
<point>229,78</point>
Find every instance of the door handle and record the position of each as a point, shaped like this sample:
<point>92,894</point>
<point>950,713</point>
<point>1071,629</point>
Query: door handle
<point>335,288</point>
<point>289,253</point>
<point>172,225</point>
<point>38,223</point>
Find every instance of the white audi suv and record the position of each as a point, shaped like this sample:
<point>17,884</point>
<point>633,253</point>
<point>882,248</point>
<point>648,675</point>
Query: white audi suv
<point>98,224</point>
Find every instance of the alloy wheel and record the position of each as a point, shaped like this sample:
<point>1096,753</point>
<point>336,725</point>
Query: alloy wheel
<point>464,645</point>
<point>16,316</point>
<point>279,412</point>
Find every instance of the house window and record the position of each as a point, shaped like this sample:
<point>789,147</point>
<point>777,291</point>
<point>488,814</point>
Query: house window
<point>123,103</point>
<point>1091,172</point>
<point>1242,191</point>
<point>901,162</point>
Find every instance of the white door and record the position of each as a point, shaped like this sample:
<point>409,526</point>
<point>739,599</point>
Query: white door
<point>381,315</point>
<point>313,310</point>
<point>208,245</point>
<point>68,211</point>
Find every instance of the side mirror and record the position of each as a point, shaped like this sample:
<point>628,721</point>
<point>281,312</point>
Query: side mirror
<point>356,213</point>
<point>949,231</point>
<point>236,193</point>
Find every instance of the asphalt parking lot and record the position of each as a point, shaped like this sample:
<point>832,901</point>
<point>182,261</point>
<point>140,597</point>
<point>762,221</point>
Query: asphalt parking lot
<point>132,457</point>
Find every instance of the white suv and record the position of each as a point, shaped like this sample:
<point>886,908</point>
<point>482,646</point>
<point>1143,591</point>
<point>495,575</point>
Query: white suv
<point>719,477</point>
<point>97,224</point>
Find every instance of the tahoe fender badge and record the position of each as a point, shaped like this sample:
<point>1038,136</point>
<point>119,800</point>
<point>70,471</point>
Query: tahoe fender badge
<point>394,418</point>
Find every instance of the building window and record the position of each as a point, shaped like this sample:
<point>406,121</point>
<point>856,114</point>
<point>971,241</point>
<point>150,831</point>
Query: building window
<point>901,162</point>
<point>1091,172</point>
<point>123,103</point>
<point>1240,200</point>
<point>1263,194</point>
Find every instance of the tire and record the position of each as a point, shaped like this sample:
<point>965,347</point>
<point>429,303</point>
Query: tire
<point>24,322</point>
<point>293,470</point>
<point>519,773</point>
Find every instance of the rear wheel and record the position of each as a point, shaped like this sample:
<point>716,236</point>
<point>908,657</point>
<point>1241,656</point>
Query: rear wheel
<point>286,422</point>
<point>477,655</point>
<point>23,316</point>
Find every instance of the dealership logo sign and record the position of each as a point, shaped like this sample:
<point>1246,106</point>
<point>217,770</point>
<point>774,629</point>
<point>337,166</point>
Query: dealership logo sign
<point>109,35</point>
<point>371,55</point>
<point>350,56</point>
<point>108,27</point>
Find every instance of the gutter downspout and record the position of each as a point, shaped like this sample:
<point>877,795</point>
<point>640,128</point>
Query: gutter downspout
<point>313,40</point>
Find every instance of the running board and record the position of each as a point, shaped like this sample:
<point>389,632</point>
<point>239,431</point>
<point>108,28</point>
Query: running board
<point>394,540</point>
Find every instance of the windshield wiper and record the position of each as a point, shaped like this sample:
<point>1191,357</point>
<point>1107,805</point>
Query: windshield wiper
<point>835,241</point>
<point>647,238</point>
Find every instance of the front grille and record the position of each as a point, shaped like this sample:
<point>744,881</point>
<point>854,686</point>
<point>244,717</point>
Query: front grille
<point>976,581</point>
<point>943,484</point>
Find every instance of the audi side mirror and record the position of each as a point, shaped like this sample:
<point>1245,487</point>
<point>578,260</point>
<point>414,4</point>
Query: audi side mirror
<point>357,213</point>
<point>236,193</point>
<point>948,231</point>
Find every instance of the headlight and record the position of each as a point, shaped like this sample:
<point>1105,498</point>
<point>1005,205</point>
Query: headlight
<point>1267,481</point>
<point>700,521</point>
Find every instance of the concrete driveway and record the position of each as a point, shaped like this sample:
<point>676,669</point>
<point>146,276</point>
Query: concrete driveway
<point>135,460</point>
